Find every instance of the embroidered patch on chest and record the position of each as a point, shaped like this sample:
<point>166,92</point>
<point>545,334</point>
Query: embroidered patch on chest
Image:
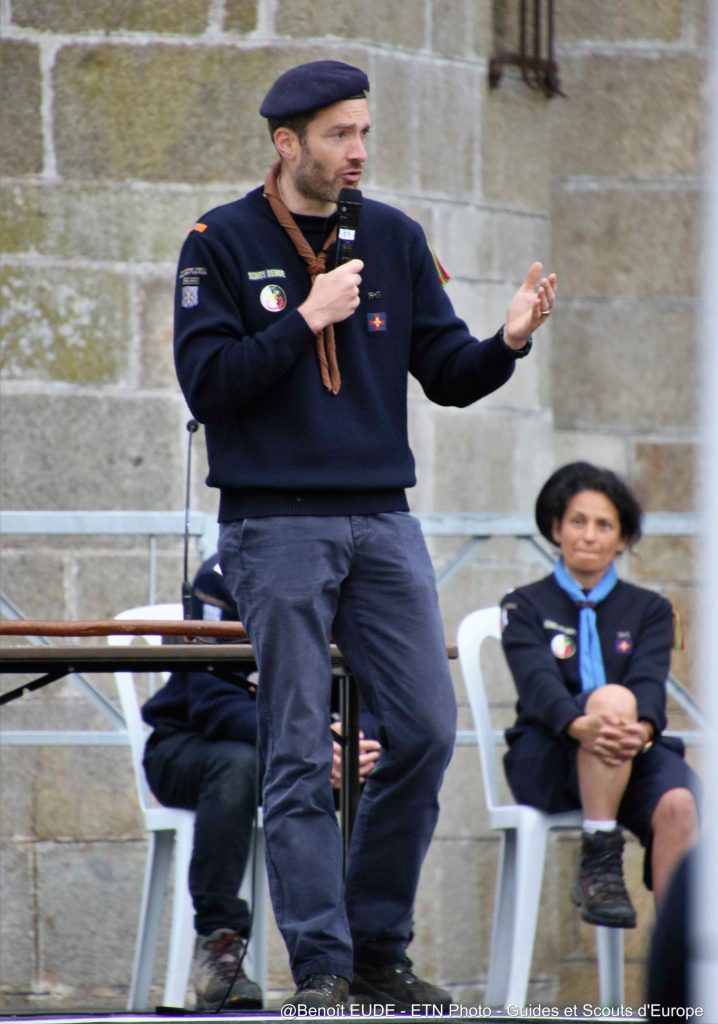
<point>562,646</point>
<point>376,322</point>
<point>262,275</point>
<point>624,643</point>
<point>273,298</point>
<point>559,627</point>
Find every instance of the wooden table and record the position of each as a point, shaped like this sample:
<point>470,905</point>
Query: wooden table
<point>185,653</point>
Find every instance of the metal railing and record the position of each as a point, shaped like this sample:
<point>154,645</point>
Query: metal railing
<point>202,529</point>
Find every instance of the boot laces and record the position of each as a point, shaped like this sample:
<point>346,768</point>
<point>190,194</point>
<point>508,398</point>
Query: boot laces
<point>226,954</point>
<point>323,983</point>
<point>604,870</point>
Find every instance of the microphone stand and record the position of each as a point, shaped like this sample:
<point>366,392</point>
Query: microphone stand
<point>192,427</point>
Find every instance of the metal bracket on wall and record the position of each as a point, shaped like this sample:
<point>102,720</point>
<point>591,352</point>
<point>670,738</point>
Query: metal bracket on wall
<point>538,66</point>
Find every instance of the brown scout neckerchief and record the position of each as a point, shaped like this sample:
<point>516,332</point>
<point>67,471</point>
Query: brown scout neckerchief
<point>316,264</point>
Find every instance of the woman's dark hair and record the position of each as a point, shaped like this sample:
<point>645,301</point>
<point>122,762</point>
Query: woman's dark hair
<point>561,486</point>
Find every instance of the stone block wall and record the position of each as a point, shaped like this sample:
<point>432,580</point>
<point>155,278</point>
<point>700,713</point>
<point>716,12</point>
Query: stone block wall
<point>626,163</point>
<point>120,123</point>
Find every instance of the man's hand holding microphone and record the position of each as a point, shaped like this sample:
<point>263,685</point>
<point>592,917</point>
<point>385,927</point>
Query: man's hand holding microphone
<point>334,296</point>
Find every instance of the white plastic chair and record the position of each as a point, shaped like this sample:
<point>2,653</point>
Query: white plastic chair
<point>171,830</point>
<point>523,849</point>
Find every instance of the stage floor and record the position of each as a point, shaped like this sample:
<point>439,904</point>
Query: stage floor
<point>469,1014</point>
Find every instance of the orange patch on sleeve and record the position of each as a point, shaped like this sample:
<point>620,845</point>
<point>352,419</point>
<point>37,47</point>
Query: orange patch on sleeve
<point>199,226</point>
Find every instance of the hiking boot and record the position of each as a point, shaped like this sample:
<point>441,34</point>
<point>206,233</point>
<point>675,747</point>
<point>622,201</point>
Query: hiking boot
<point>600,891</point>
<point>398,986</point>
<point>218,975</point>
<point>325,991</point>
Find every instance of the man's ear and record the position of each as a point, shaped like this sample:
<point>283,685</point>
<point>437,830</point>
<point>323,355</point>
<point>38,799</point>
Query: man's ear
<point>285,142</point>
<point>555,531</point>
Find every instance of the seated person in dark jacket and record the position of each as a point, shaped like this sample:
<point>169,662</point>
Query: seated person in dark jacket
<point>590,655</point>
<point>201,755</point>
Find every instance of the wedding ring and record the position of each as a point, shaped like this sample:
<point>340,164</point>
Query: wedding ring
<point>545,312</point>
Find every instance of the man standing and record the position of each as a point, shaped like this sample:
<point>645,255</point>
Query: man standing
<point>299,373</point>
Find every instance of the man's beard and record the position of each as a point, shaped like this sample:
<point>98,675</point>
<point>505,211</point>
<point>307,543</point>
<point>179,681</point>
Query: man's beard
<point>310,180</point>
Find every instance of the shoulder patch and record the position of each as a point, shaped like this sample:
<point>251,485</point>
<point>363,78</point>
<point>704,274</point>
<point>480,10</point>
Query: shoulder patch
<point>679,633</point>
<point>444,276</point>
<point>199,226</point>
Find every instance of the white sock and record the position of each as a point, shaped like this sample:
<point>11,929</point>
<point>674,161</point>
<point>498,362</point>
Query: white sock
<point>594,825</point>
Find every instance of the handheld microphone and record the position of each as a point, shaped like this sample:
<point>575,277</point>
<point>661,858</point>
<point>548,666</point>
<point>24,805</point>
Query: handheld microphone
<point>348,209</point>
<point>192,428</point>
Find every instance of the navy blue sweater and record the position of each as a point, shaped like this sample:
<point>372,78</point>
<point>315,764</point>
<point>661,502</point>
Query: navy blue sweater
<point>278,442</point>
<point>540,640</point>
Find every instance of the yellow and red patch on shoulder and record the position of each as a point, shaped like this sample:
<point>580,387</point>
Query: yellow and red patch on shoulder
<point>444,275</point>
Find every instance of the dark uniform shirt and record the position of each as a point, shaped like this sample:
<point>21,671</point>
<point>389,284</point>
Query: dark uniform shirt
<point>540,637</point>
<point>201,702</point>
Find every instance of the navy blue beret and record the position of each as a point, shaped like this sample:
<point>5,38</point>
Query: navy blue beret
<point>311,86</point>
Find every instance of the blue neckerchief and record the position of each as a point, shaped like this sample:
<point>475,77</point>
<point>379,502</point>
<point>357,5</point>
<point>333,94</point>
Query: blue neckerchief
<point>591,667</point>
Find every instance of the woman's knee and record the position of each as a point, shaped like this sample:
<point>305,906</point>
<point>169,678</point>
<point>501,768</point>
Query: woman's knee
<point>676,812</point>
<point>613,699</point>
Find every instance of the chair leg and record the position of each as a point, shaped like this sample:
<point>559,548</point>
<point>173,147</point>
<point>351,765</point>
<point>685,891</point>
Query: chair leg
<point>530,861</point>
<point>609,946</point>
<point>182,936</point>
<point>502,929</point>
<point>159,858</point>
<point>254,891</point>
<point>528,866</point>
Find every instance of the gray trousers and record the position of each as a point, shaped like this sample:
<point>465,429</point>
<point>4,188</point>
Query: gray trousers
<point>367,582</point>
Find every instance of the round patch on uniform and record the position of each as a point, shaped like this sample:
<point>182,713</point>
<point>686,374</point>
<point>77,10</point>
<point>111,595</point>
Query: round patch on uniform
<point>273,298</point>
<point>563,646</point>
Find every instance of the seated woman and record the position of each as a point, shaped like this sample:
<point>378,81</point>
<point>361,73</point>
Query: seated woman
<point>590,654</point>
